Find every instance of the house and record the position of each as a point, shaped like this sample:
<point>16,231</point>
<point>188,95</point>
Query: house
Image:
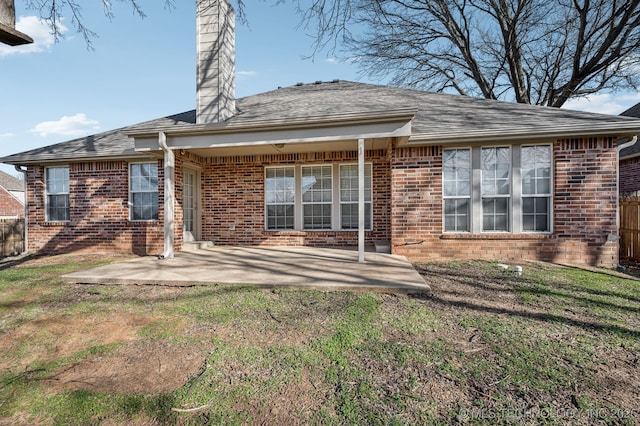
<point>11,197</point>
<point>337,163</point>
<point>630,160</point>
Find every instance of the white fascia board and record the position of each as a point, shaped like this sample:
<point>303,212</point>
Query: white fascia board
<point>293,135</point>
<point>135,156</point>
<point>617,129</point>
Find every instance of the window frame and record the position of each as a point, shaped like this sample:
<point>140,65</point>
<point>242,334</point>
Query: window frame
<point>548,195</point>
<point>458,197</point>
<point>336,222</point>
<point>367,204</point>
<point>267,203</point>
<point>497,196</point>
<point>132,192</point>
<point>48,193</point>
<point>313,203</point>
<point>515,221</point>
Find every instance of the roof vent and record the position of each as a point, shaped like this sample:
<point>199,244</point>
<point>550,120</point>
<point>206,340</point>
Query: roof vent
<point>318,82</point>
<point>337,80</point>
<point>299,84</point>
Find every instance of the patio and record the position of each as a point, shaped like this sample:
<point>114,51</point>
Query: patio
<point>293,267</point>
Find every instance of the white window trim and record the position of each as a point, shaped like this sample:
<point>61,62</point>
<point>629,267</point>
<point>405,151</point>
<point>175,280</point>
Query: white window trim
<point>130,193</point>
<point>515,200</point>
<point>336,225</point>
<point>47,193</point>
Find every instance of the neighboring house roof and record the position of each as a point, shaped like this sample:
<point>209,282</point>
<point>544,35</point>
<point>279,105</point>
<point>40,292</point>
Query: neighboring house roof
<point>439,118</point>
<point>633,150</point>
<point>11,183</point>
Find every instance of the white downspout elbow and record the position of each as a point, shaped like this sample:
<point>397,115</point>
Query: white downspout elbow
<point>169,195</point>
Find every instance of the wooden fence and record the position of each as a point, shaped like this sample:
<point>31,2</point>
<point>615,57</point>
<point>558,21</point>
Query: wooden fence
<point>12,231</point>
<point>630,227</point>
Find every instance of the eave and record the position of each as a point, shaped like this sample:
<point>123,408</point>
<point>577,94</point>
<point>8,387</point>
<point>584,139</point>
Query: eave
<point>515,134</point>
<point>75,159</point>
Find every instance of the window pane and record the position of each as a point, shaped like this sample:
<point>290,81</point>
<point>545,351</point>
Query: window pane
<point>536,169</point>
<point>349,216</point>
<point>279,185</point>
<point>536,214</point>
<point>280,216</point>
<point>456,172</point>
<point>496,171</point>
<point>456,216</point>
<point>495,214</point>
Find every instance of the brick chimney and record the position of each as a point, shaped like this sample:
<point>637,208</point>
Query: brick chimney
<point>215,61</point>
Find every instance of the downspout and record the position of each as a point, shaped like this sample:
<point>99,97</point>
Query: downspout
<point>26,208</point>
<point>169,195</point>
<point>620,148</point>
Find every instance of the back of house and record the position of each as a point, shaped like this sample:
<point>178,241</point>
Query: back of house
<point>431,176</point>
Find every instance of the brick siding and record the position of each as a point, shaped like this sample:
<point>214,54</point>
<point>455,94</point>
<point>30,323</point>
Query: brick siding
<point>99,213</point>
<point>584,210</point>
<point>9,205</point>
<point>407,205</point>
<point>629,175</point>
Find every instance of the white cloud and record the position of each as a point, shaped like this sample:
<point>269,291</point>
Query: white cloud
<point>38,30</point>
<point>332,60</point>
<point>246,73</point>
<point>75,125</point>
<point>604,103</point>
<point>6,135</point>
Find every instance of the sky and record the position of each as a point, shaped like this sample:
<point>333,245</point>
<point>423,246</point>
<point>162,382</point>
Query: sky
<point>142,69</point>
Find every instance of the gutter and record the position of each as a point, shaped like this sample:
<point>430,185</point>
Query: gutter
<point>522,134</point>
<point>26,208</point>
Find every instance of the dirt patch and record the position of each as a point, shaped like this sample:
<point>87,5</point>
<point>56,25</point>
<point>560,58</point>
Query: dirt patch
<point>60,336</point>
<point>136,368</point>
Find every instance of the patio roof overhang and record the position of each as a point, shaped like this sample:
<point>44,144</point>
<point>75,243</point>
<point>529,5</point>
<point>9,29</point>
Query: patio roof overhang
<point>307,134</point>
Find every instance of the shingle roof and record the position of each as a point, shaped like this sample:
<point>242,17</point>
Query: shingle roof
<point>634,111</point>
<point>437,114</point>
<point>634,149</point>
<point>10,183</point>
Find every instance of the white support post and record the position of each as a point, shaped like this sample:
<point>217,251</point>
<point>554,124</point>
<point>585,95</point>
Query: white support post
<point>169,195</point>
<point>361,216</point>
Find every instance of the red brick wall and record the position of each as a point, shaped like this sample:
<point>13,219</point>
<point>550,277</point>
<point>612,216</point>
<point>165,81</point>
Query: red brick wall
<point>9,205</point>
<point>234,197</point>
<point>629,175</point>
<point>99,213</point>
<point>407,203</point>
<point>584,210</point>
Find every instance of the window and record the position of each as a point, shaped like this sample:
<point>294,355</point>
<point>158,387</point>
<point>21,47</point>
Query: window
<point>497,189</point>
<point>536,188</point>
<point>349,196</point>
<point>57,184</point>
<point>143,187</point>
<point>315,197</point>
<point>456,164</point>
<point>280,197</point>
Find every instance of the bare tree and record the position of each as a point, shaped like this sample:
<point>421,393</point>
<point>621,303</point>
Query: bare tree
<point>531,51</point>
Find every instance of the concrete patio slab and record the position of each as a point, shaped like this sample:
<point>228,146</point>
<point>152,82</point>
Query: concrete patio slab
<point>294,267</point>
